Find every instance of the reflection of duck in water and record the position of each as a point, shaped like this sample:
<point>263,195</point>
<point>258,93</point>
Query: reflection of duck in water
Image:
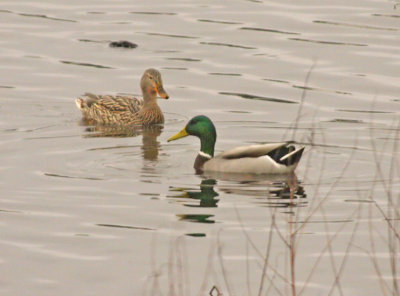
<point>126,110</point>
<point>149,134</point>
<point>274,158</point>
<point>284,196</point>
<point>150,145</point>
<point>206,195</point>
<point>276,191</point>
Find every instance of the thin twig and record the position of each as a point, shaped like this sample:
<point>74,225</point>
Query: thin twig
<point>221,262</point>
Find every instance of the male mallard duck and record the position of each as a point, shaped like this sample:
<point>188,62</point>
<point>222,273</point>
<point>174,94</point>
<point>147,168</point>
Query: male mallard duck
<point>105,109</point>
<point>274,158</point>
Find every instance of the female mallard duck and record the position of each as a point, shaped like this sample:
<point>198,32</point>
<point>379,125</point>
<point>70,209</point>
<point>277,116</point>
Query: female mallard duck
<point>126,110</point>
<point>274,158</point>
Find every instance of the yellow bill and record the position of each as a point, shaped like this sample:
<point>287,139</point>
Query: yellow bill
<point>179,135</point>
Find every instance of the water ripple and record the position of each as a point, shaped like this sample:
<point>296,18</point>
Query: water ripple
<point>269,30</point>
<point>354,25</point>
<point>124,226</point>
<point>39,16</point>
<point>218,22</point>
<point>227,45</point>
<point>71,177</point>
<point>93,41</point>
<point>86,65</point>
<point>170,35</point>
<point>323,90</point>
<point>328,42</point>
<point>225,74</point>
<point>153,13</point>
<point>386,15</point>
<point>184,59</point>
<point>254,97</point>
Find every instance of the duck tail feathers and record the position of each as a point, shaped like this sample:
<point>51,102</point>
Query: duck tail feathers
<point>80,103</point>
<point>292,157</point>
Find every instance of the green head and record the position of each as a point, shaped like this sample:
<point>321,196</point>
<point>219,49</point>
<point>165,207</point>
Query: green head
<point>202,127</point>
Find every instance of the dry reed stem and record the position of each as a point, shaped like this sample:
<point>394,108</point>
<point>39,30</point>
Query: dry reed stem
<point>347,251</point>
<point>266,258</point>
<point>208,270</point>
<point>293,236</point>
<point>228,285</point>
<point>250,241</point>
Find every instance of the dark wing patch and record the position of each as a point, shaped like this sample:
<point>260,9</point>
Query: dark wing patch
<point>280,152</point>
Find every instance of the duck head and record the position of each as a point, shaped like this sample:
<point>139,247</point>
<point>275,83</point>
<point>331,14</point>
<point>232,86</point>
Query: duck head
<point>202,127</point>
<point>152,85</point>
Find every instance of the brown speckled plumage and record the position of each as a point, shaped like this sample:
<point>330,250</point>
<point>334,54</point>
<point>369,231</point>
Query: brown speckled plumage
<point>126,110</point>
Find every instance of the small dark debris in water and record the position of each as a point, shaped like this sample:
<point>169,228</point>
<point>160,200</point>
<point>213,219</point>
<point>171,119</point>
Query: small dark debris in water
<point>196,234</point>
<point>123,43</point>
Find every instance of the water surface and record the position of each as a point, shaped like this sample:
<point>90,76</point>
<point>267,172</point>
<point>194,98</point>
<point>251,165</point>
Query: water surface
<point>91,211</point>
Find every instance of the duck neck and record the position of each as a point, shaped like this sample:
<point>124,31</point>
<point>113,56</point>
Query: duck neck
<point>149,99</point>
<point>208,143</point>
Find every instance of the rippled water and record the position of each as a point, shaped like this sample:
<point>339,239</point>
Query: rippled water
<point>89,211</point>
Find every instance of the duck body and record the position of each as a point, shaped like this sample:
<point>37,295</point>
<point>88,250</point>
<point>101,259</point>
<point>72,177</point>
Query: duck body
<point>273,158</point>
<point>126,110</point>
<point>256,159</point>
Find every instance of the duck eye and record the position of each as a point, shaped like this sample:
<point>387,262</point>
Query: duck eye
<point>194,121</point>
